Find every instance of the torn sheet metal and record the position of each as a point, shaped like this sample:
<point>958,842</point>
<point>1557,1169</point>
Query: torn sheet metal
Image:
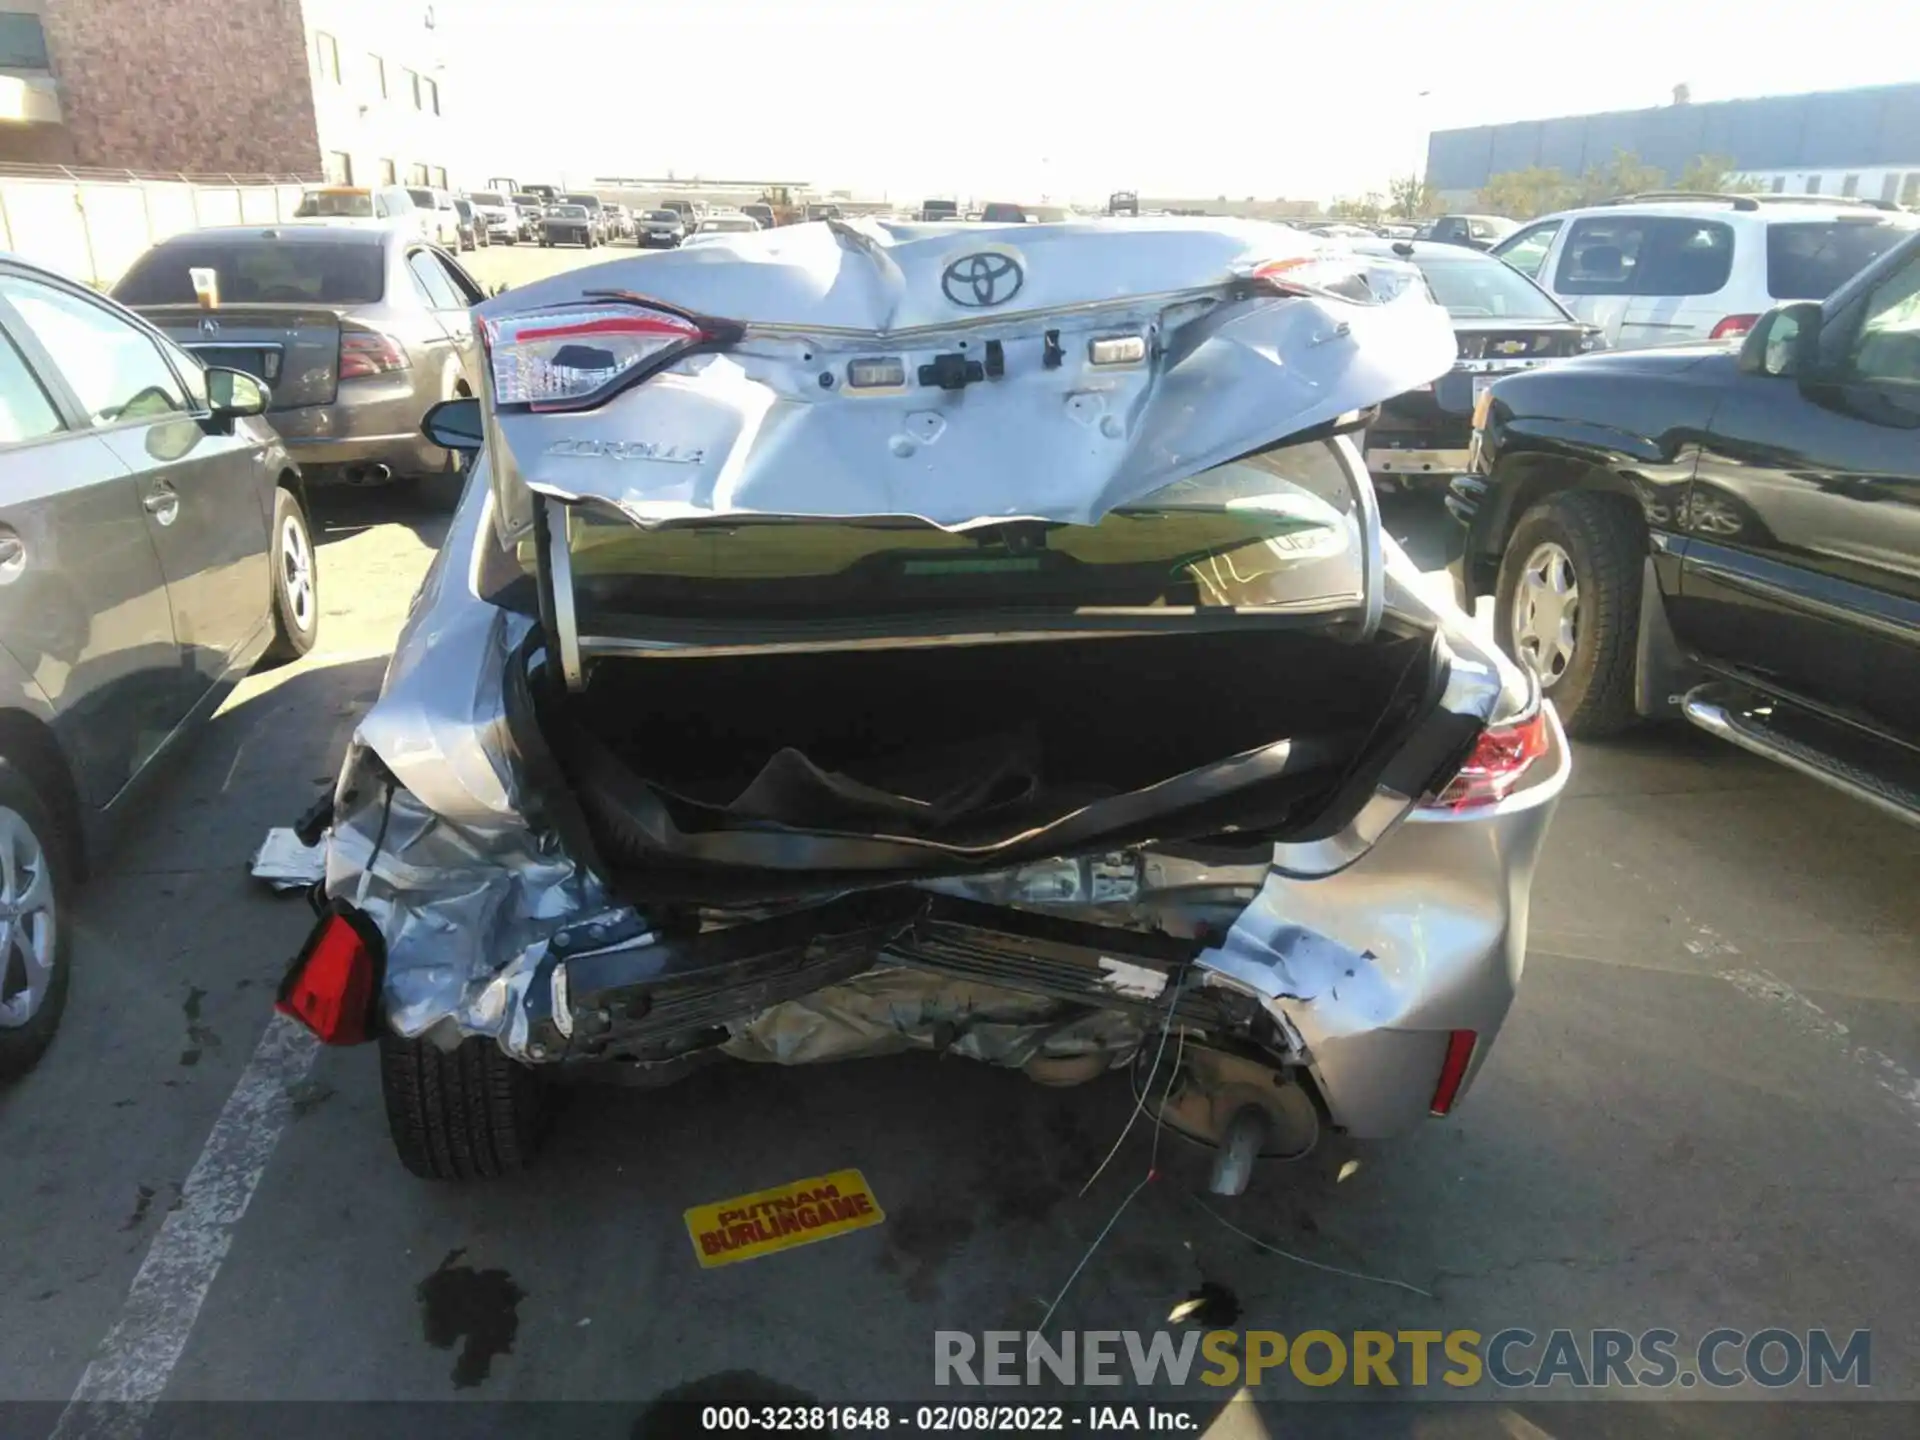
<point>466,910</point>
<point>286,864</point>
<point>773,426</point>
<point>890,1010</point>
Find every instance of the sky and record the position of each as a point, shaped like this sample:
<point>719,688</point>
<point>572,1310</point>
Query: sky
<point>1063,99</point>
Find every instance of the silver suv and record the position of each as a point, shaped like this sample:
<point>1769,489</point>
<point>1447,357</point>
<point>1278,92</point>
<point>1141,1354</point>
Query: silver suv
<point>1669,266</point>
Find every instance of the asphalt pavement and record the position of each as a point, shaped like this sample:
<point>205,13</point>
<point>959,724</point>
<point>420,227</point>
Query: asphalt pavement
<point>1702,1112</point>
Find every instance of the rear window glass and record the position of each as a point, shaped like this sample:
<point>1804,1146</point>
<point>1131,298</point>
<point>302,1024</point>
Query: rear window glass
<point>569,212</point>
<point>423,198</point>
<point>1003,214</point>
<point>486,197</point>
<point>1485,290</point>
<point>667,215</point>
<point>262,272</point>
<point>315,205</point>
<point>1277,529</point>
<point>1811,260</point>
<point>1645,255</point>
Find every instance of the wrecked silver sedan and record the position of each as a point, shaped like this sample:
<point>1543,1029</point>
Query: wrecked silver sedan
<point>862,637</point>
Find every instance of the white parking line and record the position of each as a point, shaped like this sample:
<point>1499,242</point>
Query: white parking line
<point>137,1358</point>
<point>1888,1073</point>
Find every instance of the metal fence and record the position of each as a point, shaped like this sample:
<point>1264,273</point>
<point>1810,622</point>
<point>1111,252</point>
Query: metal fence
<point>93,224</point>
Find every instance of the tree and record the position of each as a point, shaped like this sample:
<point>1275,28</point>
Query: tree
<point>1622,175</point>
<point>1709,173</point>
<point>1413,197</point>
<point>1523,194</point>
<point>1367,209</point>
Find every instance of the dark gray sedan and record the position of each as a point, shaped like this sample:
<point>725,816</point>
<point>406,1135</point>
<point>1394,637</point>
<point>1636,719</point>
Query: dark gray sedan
<point>358,330</point>
<point>152,548</point>
<point>568,225</point>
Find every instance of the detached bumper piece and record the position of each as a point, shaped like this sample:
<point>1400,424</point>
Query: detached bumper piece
<point>632,994</point>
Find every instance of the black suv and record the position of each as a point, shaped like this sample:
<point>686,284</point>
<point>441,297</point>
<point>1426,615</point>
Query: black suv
<point>1729,533</point>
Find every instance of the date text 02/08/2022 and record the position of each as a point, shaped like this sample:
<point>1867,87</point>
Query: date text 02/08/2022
<point>936,1419</point>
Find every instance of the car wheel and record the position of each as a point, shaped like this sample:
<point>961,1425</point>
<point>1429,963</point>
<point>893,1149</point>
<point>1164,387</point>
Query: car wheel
<point>296,581</point>
<point>469,1113</point>
<point>35,920</point>
<point>1568,606</point>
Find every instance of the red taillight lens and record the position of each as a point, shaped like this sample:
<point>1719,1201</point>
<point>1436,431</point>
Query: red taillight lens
<point>333,985</point>
<point>1453,1069</point>
<point>573,356</point>
<point>1499,760</point>
<point>1733,325</point>
<point>368,352</point>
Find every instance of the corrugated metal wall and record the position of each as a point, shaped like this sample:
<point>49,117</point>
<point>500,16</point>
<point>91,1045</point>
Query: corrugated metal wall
<point>1827,130</point>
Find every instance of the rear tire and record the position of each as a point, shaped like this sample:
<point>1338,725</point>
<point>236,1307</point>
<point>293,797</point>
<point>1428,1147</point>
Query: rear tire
<point>465,1114</point>
<point>1604,548</point>
<point>34,825</point>
<point>296,581</point>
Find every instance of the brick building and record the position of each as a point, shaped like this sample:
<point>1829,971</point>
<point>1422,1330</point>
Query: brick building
<point>349,89</point>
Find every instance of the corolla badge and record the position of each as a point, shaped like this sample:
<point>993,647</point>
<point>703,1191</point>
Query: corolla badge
<point>977,281</point>
<point>629,450</point>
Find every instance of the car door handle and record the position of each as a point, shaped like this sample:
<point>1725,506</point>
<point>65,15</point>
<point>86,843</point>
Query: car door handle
<point>163,503</point>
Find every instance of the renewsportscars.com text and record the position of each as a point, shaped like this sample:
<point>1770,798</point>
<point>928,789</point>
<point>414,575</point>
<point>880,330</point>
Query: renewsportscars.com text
<point>1513,1358</point>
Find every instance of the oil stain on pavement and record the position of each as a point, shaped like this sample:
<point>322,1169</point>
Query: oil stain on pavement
<point>200,1037</point>
<point>480,1305</point>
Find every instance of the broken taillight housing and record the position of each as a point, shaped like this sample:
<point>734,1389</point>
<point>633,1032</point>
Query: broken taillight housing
<point>1329,272</point>
<point>333,985</point>
<point>1453,1070</point>
<point>1495,766</point>
<point>574,356</point>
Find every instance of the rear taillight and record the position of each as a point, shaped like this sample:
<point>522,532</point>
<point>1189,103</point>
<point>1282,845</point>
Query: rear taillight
<point>1732,326</point>
<point>574,356</point>
<point>333,985</point>
<point>368,352</point>
<point>1453,1070</point>
<point>1498,762</point>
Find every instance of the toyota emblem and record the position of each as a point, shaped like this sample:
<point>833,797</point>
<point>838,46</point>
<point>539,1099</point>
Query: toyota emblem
<point>977,281</point>
<point>209,326</point>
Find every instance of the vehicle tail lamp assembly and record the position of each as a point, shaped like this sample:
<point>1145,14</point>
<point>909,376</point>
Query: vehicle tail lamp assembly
<point>368,352</point>
<point>1496,765</point>
<point>1733,327</point>
<point>333,985</point>
<point>574,357</point>
<point>1453,1070</point>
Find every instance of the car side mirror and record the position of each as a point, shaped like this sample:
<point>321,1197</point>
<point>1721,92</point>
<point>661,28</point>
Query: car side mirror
<point>233,394</point>
<point>1784,341</point>
<point>500,289</point>
<point>454,424</point>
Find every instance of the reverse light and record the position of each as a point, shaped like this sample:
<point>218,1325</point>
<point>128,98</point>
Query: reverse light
<point>1117,350</point>
<point>886,373</point>
<point>333,985</point>
<point>1498,762</point>
<point>368,352</point>
<point>569,356</point>
<point>1733,326</point>
<point>1453,1070</point>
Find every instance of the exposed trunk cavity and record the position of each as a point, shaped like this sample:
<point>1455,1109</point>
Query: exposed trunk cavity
<point>762,776</point>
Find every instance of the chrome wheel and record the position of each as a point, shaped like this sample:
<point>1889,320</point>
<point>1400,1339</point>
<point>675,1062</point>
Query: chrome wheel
<point>296,572</point>
<point>27,921</point>
<point>1546,612</point>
